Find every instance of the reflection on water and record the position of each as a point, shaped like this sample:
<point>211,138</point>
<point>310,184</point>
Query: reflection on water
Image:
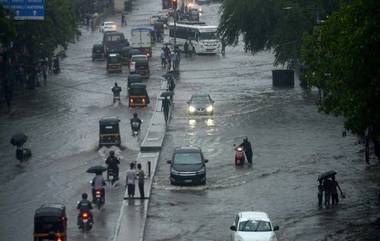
<point>210,122</point>
<point>192,123</point>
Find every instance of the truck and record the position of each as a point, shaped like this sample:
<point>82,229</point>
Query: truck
<point>142,38</point>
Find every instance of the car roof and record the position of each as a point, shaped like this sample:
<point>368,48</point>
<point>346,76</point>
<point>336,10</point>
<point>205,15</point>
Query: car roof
<point>187,149</point>
<point>253,215</point>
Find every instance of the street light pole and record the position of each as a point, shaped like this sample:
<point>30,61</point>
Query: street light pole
<point>174,4</point>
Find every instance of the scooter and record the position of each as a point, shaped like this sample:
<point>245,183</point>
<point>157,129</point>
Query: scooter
<point>99,199</point>
<point>239,156</point>
<point>85,222</point>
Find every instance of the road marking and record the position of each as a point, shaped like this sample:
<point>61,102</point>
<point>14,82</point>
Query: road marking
<point>117,228</point>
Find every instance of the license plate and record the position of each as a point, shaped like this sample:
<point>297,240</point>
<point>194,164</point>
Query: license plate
<point>188,181</point>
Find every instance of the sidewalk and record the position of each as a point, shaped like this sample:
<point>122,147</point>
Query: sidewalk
<point>133,212</point>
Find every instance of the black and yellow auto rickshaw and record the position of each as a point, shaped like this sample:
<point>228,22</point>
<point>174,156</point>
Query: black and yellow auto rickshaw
<point>137,95</point>
<point>134,78</point>
<point>50,223</point>
<point>109,132</point>
<point>114,63</point>
<point>98,52</point>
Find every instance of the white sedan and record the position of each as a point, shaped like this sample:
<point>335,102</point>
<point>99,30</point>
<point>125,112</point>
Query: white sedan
<point>108,26</point>
<point>253,226</point>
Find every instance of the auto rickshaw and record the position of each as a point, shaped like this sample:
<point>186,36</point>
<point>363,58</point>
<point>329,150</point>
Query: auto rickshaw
<point>134,78</point>
<point>50,223</point>
<point>124,55</point>
<point>114,63</point>
<point>109,132</point>
<point>98,52</point>
<point>137,95</point>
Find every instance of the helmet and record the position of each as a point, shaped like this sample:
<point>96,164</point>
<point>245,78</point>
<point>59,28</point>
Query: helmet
<point>135,114</point>
<point>115,84</point>
<point>112,153</point>
<point>84,195</point>
<point>245,138</point>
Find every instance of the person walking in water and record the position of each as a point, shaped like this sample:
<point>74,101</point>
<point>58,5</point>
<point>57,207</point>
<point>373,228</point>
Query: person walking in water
<point>141,177</point>
<point>334,192</point>
<point>327,190</point>
<point>130,180</point>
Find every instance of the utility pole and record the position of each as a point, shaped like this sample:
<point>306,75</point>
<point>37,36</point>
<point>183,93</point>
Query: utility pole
<point>174,4</point>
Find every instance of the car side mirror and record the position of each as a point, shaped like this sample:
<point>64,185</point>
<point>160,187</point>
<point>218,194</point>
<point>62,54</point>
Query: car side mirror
<point>169,161</point>
<point>233,228</point>
<point>275,228</point>
<point>206,160</point>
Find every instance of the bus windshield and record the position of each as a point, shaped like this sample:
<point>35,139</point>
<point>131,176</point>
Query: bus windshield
<point>207,35</point>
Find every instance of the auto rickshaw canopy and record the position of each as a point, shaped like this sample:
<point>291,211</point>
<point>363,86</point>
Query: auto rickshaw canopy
<point>137,89</point>
<point>50,218</point>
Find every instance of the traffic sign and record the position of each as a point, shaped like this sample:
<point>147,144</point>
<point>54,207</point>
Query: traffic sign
<point>26,9</point>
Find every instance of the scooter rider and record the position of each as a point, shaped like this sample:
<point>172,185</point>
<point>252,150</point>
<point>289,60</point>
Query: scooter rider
<point>247,149</point>
<point>84,206</point>
<point>135,119</point>
<point>116,92</point>
<point>98,183</point>
<point>113,163</point>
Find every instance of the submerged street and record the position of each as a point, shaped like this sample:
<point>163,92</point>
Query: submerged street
<point>292,143</point>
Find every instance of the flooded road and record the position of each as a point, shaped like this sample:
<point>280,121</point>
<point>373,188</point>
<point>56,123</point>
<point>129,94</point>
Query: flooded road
<point>292,144</point>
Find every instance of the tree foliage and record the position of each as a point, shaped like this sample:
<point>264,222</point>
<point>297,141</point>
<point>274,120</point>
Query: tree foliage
<point>7,28</point>
<point>41,38</point>
<point>343,60</point>
<point>272,24</point>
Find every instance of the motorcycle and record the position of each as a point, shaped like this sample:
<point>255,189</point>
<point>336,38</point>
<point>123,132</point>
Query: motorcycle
<point>239,156</point>
<point>99,199</point>
<point>112,173</point>
<point>135,128</point>
<point>85,222</point>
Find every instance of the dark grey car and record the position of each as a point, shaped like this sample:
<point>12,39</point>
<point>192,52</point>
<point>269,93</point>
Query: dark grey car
<point>200,104</point>
<point>188,166</point>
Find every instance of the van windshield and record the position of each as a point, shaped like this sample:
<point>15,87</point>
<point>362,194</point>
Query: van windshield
<point>207,35</point>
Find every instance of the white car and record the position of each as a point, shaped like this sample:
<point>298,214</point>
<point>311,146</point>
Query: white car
<point>108,26</point>
<point>253,226</point>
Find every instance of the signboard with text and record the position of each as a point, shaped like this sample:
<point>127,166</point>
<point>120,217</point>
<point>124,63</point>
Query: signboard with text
<point>26,9</point>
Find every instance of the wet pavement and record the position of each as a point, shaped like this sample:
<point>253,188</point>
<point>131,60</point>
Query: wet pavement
<point>292,143</point>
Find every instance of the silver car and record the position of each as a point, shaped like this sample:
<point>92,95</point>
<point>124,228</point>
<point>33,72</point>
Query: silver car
<point>200,104</point>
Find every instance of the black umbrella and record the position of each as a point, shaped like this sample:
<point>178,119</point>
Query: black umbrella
<point>96,169</point>
<point>327,174</point>
<point>167,94</point>
<point>19,139</point>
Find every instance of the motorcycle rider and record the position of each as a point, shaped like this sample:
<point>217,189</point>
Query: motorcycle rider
<point>116,92</point>
<point>113,164</point>
<point>98,183</point>
<point>247,149</point>
<point>134,120</point>
<point>84,206</point>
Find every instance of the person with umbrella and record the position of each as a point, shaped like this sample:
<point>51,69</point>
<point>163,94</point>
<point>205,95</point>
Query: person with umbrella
<point>18,140</point>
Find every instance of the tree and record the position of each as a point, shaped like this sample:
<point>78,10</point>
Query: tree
<point>343,60</point>
<point>276,25</point>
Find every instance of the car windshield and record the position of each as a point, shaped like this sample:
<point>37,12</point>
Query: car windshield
<point>108,24</point>
<point>199,98</point>
<point>188,158</point>
<point>255,226</point>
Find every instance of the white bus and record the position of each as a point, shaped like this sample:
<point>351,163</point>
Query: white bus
<point>202,37</point>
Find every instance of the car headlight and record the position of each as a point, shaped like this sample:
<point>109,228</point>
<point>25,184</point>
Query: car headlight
<point>174,172</point>
<point>209,108</point>
<point>191,109</point>
<point>202,171</point>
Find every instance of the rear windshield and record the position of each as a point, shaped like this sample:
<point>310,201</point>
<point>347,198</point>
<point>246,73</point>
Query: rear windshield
<point>48,224</point>
<point>188,158</point>
<point>137,91</point>
<point>109,129</point>
<point>113,38</point>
